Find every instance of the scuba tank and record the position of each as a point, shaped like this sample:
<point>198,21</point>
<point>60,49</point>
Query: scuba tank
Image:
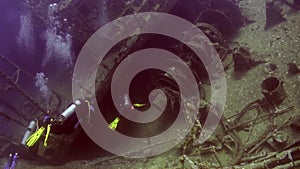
<point>70,110</point>
<point>12,161</point>
<point>30,129</point>
<point>8,163</point>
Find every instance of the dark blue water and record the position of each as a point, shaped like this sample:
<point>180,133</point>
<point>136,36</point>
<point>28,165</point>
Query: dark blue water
<point>9,25</point>
<point>10,12</point>
<point>27,55</point>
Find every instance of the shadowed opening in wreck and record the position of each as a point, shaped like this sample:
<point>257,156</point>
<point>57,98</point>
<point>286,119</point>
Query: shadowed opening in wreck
<point>143,83</point>
<point>139,90</point>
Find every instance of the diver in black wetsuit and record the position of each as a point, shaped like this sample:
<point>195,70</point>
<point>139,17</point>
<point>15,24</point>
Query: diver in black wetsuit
<point>62,127</point>
<point>67,123</point>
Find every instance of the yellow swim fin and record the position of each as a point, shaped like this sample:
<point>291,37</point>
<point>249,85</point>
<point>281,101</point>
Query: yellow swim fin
<point>47,135</point>
<point>138,105</point>
<point>35,137</point>
<point>113,125</point>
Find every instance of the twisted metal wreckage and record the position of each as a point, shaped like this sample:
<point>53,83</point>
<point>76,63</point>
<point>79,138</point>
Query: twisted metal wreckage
<point>271,148</point>
<point>20,113</point>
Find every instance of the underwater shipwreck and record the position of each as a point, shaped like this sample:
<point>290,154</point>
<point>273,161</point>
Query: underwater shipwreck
<point>258,45</point>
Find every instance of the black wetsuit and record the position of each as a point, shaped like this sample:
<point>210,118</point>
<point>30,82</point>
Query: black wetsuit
<point>67,127</point>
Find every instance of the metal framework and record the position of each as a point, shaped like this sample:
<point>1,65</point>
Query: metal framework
<point>11,83</point>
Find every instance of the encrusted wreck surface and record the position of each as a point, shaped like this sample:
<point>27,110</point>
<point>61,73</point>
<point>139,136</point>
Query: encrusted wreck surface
<point>254,132</point>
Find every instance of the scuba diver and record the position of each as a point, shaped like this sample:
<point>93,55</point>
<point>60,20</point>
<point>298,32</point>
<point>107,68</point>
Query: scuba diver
<point>39,131</point>
<point>65,124</point>
<point>53,139</point>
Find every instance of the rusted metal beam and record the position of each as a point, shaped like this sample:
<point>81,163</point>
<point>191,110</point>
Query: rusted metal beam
<point>12,119</point>
<point>16,66</point>
<point>22,92</point>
